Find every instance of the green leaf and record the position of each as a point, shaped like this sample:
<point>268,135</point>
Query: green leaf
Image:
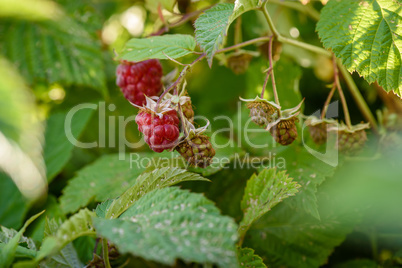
<point>366,35</point>
<point>80,224</point>
<point>286,237</point>
<point>8,251</point>
<point>211,28</point>
<point>242,6</point>
<point>66,257</point>
<point>102,208</point>
<point>106,178</point>
<point>157,179</point>
<point>262,193</point>
<point>7,234</point>
<point>58,148</point>
<point>13,205</point>
<point>20,133</point>
<point>309,172</point>
<point>59,51</point>
<point>157,47</point>
<point>248,259</point>
<point>170,223</point>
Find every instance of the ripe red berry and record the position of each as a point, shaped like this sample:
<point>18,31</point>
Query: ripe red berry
<point>137,79</point>
<point>160,133</point>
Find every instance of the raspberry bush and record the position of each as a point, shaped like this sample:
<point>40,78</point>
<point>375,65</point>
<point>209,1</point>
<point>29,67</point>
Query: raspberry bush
<point>182,133</point>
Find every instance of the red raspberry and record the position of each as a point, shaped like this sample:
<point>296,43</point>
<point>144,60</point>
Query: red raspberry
<point>159,133</point>
<point>137,79</point>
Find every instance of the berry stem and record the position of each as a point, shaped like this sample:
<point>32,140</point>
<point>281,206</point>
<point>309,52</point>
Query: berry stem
<point>185,18</point>
<point>105,253</point>
<point>181,75</point>
<point>342,97</point>
<point>269,20</point>
<point>265,82</point>
<point>238,37</point>
<point>183,120</point>
<point>357,96</point>
<point>271,66</point>
<point>325,108</point>
<point>243,44</point>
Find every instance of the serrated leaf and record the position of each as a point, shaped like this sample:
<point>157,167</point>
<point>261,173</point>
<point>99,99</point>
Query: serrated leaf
<point>285,237</point>
<point>242,6</point>
<point>211,28</point>
<point>262,193</point>
<point>248,259</point>
<point>60,51</point>
<point>102,208</point>
<point>309,172</point>
<point>170,223</point>
<point>366,35</point>
<point>157,179</point>
<point>80,224</point>
<point>106,178</point>
<point>58,148</point>
<point>66,257</point>
<point>7,234</point>
<point>157,47</point>
<point>8,251</point>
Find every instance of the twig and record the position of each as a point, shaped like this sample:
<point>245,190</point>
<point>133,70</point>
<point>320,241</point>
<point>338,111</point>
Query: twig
<point>175,61</point>
<point>361,103</point>
<point>342,97</point>
<point>243,44</point>
<point>185,18</point>
<point>269,20</point>
<point>182,74</point>
<point>325,108</point>
<point>271,66</point>
<point>105,253</point>
<point>238,37</point>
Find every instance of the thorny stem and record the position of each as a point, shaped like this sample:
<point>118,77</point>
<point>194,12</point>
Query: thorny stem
<point>271,66</point>
<point>325,108</point>
<point>105,253</point>
<point>343,100</point>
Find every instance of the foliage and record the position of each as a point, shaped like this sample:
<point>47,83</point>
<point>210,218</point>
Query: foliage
<point>258,204</point>
<point>262,193</point>
<point>170,223</point>
<point>366,36</point>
